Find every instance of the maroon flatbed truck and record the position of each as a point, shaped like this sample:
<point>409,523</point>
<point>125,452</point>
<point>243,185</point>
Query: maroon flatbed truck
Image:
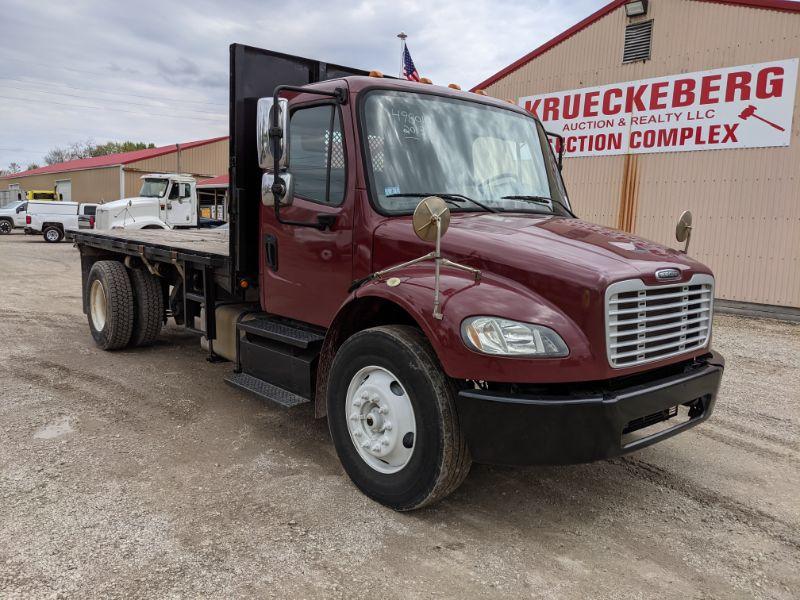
<point>525,336</point>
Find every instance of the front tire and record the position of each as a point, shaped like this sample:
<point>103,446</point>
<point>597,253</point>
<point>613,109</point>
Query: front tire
<point>53,235</point>
<point>390,374</point>
<point>110,304</point>
<point>6,226</point>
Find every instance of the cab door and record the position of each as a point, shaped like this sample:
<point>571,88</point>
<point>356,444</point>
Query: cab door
<point>305,271</point>
<point>179,205</point>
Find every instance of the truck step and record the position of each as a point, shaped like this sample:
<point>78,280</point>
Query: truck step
<point>265,390</point>
<point>280,331</point>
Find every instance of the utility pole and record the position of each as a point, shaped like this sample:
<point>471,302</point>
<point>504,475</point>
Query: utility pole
<point>402,37</point>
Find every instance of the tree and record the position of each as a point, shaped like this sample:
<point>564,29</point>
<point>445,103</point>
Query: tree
<point>78,150</point>
<point>73,151</point>
<point>117,147</point>
<point>32,166</point>
<point>13,168</point>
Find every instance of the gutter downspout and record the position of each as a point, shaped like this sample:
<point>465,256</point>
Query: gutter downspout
<point>121,182</point>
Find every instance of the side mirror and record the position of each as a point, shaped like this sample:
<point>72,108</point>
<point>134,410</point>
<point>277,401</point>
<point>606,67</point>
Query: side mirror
<point>268,197</point>
<point>272,144</point>
<point>683,230</point>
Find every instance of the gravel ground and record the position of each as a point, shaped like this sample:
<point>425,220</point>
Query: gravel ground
<point>142,474</point>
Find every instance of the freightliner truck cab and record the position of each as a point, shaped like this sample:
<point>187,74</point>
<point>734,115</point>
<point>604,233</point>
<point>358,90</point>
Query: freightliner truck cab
<point>406,257</point>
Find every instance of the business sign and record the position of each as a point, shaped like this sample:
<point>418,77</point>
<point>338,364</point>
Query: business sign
<point>739,107</point>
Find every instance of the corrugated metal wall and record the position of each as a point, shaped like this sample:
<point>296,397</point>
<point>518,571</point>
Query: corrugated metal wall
<point>90,185</point>
<point>746,203</point>
<point>203,162</point>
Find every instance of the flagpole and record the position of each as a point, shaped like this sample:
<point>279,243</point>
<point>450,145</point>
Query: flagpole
<point>402,37</point>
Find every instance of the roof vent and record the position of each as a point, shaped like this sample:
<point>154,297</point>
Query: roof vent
<point>638,38</point>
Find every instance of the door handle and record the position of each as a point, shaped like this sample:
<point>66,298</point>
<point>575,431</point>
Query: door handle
<point>271,251</point>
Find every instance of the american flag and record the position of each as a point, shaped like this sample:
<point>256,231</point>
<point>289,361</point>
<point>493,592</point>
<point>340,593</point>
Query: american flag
<point>409,70</point>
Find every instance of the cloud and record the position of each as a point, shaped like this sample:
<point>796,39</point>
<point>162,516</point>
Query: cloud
<point>158,71</point>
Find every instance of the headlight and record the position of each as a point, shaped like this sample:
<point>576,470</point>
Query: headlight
<point>493,335</point>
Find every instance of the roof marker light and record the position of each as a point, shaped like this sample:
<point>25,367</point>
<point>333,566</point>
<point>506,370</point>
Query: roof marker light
<point>375,74</point>
<point>454,86</point>
<point>425,80</point>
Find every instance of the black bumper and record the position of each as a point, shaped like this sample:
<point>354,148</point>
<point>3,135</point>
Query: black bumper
<point>566,428</point>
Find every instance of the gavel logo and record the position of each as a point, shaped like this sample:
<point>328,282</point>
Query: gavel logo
<point>750,111</point>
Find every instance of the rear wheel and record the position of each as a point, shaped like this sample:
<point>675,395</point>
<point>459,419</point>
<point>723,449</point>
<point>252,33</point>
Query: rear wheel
<point>148,307</point>
<point>6,226</point>
<point>53,234</point>
<point>393,420</point>
<point>110,304</point>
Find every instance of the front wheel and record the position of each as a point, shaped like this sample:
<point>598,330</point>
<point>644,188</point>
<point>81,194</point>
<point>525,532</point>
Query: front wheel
<point>393,420</point>
<point>6,226</point>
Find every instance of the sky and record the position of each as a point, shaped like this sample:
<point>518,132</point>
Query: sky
<point>88,70</point>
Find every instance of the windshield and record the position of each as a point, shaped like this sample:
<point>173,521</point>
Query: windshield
<point>154,188</point>
<point>420,144</point>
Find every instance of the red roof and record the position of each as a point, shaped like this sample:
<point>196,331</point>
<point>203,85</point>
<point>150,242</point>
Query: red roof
<point>218,181</point>
<point>112,160</point>
<point>782,5</point>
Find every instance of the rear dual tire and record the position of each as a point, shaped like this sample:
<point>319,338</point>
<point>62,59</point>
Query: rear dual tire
<point>125,308</point>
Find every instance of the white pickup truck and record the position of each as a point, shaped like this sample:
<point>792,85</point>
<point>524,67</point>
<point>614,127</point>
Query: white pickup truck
<point>12,215</point>
<point>54,219</point>
<point>166,201</point>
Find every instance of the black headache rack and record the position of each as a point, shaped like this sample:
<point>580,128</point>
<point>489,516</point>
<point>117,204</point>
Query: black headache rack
<point>255,73</point>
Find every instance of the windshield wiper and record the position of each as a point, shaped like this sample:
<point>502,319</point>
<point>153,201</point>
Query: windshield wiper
<point>453,198</point>
<point>543,200</point>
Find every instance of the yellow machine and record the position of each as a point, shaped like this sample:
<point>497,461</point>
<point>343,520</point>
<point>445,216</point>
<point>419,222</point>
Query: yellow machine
<point>40,195</point>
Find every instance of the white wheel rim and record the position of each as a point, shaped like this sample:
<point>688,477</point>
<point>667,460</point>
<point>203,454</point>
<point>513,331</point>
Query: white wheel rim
<point>380,419</point>
<point>97,305</point>
<point>52,235</point>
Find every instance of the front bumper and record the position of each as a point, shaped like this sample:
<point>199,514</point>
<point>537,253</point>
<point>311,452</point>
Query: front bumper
<point>565,428</point>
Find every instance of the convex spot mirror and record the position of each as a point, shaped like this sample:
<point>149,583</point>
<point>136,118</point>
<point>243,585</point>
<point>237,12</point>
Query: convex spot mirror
<point>268,197</point>
<point>684,226</point>
<point>428,212</point>
<point>683,230</point>
<point>271,147</point>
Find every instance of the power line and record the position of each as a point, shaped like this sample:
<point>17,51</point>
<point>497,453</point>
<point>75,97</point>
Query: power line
<point>96,91</point>
<point>11,87</point>
<point>83,106</point>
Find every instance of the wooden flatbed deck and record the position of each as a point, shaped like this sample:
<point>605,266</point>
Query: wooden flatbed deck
<point>203,246</point>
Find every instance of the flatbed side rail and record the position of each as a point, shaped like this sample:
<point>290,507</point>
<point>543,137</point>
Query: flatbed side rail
<point>148,250</point>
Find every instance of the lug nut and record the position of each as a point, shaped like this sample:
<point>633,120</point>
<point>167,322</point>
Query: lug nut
<point>387,426</point>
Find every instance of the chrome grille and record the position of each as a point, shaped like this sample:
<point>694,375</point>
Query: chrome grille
<point>648,323</point>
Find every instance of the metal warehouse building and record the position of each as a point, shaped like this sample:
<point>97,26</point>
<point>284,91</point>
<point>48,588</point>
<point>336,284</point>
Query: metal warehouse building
<point>115,176</point>
<point>669,105</point>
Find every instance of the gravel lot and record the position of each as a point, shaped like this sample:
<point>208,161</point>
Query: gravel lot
<point>142,474</point>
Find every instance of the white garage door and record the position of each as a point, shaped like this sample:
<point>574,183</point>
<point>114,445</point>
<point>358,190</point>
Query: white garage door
<point>64,190</point>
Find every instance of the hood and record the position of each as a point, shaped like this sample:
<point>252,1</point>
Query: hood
<point>121,204</point>
<point>120,212</point>
<point>567,261</point>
